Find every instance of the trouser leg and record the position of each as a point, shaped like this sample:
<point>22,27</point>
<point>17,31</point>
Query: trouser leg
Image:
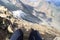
<point>34,35</point>
<point>17,35</point>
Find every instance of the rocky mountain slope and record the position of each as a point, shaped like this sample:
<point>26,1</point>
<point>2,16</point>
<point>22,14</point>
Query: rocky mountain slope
<point>8,24</point>
<point>27,15</point>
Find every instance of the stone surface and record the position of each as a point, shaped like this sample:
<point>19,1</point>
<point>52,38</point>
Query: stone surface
<point>57,38</point>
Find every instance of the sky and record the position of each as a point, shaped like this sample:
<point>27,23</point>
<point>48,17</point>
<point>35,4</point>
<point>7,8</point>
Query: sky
<point>55,2</point>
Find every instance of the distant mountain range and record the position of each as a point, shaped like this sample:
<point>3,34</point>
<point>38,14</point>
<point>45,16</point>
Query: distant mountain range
<point>28,13</point>
<point>26,10</point>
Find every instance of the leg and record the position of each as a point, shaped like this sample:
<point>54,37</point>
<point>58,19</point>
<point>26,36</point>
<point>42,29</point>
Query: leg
<point>18,35</point>
<point>34,35</point>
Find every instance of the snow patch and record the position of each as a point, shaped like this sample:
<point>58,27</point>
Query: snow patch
<point>18,13</point>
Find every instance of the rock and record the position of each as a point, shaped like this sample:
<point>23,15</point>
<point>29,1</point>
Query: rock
<point>56,38</point>
<point>10,29</point>
<point>2,8</point>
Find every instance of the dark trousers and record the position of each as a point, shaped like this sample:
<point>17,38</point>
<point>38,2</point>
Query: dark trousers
<point>18,35</point>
